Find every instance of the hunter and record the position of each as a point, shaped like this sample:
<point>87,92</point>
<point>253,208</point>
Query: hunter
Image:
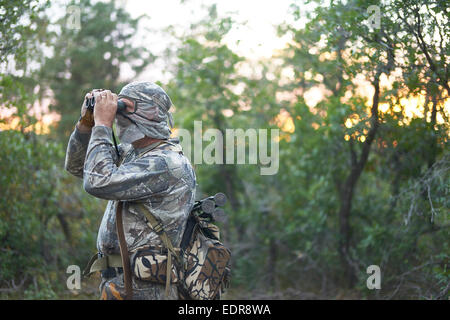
<point>146,168</point>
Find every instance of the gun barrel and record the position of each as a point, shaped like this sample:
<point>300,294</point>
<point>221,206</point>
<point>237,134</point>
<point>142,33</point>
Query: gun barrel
<point>219,214</point>
<point>208,206</point>
<point>220,199</point>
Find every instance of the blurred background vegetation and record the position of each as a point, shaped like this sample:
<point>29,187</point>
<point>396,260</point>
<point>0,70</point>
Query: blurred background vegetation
<point>363,177</point>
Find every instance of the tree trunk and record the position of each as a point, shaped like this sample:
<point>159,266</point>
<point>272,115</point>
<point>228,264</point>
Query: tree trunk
<point>433,142</point>
<point>348,188</point>
<point>271,263</point>
<point>228,175</point>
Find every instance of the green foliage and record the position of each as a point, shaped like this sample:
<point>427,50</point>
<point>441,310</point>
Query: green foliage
<point>35,251</point>
<point>22,33</point>
<point>388,217</point>
<point>23,26</point>
<point>287,226</point>
<point>285,231</point>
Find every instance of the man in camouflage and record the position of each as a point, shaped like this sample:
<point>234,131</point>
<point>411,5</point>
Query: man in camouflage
<point>150,169</point>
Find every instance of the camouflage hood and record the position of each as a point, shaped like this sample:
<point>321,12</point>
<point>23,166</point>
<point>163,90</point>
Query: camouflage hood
<point>151,117</point>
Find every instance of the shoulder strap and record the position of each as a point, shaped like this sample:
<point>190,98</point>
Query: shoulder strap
<point>158,227</point>
<point>151,149</point>
<point>124,253</point>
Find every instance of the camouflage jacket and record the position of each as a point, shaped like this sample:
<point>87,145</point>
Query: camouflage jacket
<point>159,176</point>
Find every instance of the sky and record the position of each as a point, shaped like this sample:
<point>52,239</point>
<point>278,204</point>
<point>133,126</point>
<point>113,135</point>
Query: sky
<point>257,38</point>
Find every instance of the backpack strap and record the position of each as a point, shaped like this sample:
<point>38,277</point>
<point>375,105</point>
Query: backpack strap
<point>158,227</point>
<point>124,253</point>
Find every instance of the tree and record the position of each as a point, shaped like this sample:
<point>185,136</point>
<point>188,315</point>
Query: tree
<point>22,33</point>
<point>336,51</point>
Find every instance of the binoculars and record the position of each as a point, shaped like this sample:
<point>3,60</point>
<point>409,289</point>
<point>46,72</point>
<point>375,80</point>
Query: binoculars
<point>90,103</point>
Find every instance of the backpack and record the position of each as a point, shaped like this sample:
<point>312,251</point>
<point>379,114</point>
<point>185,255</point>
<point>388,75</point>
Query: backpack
<point>201,267</point>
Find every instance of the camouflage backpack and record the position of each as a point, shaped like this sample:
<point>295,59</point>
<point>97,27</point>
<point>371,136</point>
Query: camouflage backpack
<point>201,266</point>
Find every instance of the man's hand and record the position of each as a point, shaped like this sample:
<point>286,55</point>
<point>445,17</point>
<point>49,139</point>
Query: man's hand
<point>105,108</point>
<point>87,118</point>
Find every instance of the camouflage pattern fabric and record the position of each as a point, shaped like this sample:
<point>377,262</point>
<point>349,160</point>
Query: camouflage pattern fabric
<point>151,117</point>
<point>158,176</point>
<point>150,264</point>
<point>113,289</point>
<point>207,264</point>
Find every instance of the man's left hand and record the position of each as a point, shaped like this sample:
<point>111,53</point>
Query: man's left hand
<point>105,108</point>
